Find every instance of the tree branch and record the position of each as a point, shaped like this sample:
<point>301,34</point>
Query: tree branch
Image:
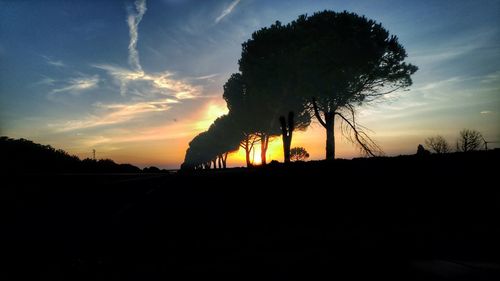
<point>358,136</point>
<point>316,113</point>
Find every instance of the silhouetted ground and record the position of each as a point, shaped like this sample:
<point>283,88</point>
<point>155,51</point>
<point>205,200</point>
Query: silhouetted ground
<point>404,218</point>
<point>20,156</point>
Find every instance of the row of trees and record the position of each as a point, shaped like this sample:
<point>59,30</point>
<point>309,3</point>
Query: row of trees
<point>317,67</point>
<point>468,140</point>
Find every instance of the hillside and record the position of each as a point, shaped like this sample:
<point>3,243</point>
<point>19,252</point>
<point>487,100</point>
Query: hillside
<point>25,156</point>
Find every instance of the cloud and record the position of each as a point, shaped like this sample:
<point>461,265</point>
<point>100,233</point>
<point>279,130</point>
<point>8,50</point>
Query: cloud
<point>442,83</point>
<point>46,81</point>
<point>57,63</point>
<point>162,82</point>
<point>115,113</point>
<point>133,20</point>
<point>491,78</point>
<point>227,11</point>
<point>454,47</point>
<point>207,77</point>
<point>486,112</point>
<point>77,85</point>
<point>437,56</point>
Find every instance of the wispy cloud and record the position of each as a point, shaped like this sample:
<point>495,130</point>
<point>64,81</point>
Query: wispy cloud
<point>437,56</point>
<point>486,112</point>
<point>440,84</point>
<point>133,20</point>
<point>77,85</point>
<point>227,10</point>
<point>163,82</point>
<point>136,80</point>
<point>114,114</point>
<point>46,81</point>
<point>53,62</point>
<point>491,78</point>
<point>454,47</point>
<point>207,77</point>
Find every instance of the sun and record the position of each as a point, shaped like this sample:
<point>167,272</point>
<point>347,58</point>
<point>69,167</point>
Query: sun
<point>255,158</point>
<point>274,152</point>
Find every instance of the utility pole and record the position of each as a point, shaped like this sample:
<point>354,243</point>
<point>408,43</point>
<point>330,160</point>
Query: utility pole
<point>93,151</point>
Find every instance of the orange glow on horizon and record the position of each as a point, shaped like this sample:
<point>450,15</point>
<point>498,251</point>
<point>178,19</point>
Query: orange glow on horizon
<point>274,152</point>
<point>165,146</point>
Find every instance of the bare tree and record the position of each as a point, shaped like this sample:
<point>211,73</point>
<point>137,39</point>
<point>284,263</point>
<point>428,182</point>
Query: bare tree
<point>438,144</point>
<point>469,140</point>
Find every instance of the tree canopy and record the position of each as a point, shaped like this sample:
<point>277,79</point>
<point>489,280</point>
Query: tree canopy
<point>211,146</point>
<point>270,72</point>
<point>348,60</point>
<point>298,154</point>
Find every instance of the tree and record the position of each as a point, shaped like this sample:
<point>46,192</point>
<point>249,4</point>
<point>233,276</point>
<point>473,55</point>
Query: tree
<point>469,140</point>
<point>270,72</point>
<point>243,113</point>
<point>214,145</point>
<point>347,60</point>
<point>298,154</point>
<point>226,136</point>
<point>196,156</point>
<point>438,144</point>
<point>421,151</point>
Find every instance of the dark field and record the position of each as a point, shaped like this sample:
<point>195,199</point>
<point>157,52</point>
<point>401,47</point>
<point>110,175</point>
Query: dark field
<point>406,218</point>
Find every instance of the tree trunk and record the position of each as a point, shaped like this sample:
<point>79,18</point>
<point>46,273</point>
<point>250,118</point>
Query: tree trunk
<point>220,161</point>
<point>286,134</point>
<point>224,160</point>
<point>247,152</point>
<point>330,135</point>
<point>329,125</point>
<point>264,141</point>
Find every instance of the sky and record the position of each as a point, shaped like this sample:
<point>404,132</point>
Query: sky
<point>137,80</point>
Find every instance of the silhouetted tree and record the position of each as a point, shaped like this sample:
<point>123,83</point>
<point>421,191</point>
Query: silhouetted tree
<point>469,140</point>
<point>212,147</point>
<point>421,151</point>
<point>298,154</point>
<point>438,144</point>
<point>269,70</point>
<point>197,156</point>
<point>243,111</point>
<point>226,137</point>
<point>348,60</point>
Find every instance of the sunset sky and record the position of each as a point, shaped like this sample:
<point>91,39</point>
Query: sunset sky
<point>136,81</point>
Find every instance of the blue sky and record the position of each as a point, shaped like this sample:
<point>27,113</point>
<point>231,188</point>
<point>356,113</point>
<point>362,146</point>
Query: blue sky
<point>137,80</point>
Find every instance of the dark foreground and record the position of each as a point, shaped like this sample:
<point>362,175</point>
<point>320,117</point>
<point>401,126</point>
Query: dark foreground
<point>410,218</point>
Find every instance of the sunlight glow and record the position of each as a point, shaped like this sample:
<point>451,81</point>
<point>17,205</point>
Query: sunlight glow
<point>274,152</point>
<point>255,157</point>
<point>211,112</point>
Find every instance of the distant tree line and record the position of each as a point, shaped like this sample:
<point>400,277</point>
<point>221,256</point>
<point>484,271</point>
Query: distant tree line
<point>25,156</point>
<point>467,141</point>
<point>317,67</point>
